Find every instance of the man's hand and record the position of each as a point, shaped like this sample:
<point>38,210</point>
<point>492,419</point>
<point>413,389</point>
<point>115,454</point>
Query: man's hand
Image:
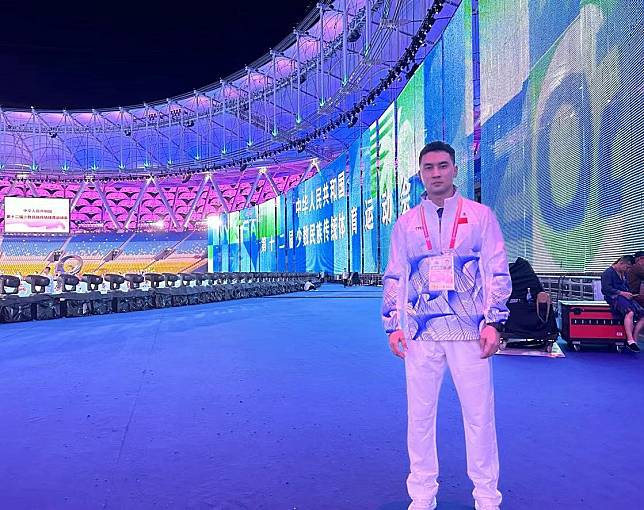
<point>398,343</point>
<point>625,294</point>
<point>490,339</point>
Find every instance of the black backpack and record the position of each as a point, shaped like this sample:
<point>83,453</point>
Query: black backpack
<point>531,312</point>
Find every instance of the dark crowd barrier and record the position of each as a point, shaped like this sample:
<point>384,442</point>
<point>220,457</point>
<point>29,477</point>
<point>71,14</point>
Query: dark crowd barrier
<point>353,278</point>
<point>180,290</point>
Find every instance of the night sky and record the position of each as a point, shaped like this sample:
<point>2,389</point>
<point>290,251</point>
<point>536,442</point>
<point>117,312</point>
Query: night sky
<point>113,53</point>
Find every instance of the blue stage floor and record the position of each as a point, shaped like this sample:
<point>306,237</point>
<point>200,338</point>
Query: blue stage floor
<point>291,402</point>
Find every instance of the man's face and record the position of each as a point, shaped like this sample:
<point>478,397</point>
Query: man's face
<point>437,171</point>
<point>624,266</point>
<point>639,262</point>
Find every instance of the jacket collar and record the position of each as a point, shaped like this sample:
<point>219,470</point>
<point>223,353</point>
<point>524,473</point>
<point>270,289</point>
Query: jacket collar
<point>450,203</point>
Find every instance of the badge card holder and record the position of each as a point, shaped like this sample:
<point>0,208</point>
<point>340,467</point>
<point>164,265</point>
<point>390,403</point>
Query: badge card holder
<point>441,272</point>
<point>441,266</point>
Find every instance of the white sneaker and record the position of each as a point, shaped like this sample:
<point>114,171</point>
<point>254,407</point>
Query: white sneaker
<point>422,504</point>
<point>479,507</point>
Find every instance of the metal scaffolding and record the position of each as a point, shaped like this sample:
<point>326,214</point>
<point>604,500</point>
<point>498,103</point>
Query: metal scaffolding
<point>331,61</point>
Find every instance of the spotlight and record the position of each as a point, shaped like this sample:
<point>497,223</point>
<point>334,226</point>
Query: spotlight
<point>354,35</point>
<point>214,221</point>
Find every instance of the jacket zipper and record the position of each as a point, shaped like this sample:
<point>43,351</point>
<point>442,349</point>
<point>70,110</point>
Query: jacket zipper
<point>440,231</point>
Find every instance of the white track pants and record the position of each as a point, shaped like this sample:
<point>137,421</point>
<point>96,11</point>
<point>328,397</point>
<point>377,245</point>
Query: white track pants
<point>424,366</point>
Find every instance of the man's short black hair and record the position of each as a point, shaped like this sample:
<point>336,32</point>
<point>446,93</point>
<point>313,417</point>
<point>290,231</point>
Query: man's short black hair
<point>638,254</point>
<point>437,146</point>
<point>629,259</point>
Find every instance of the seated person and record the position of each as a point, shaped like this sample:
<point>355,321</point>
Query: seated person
<point>635,278</point>
<point>620,299</point>
<point>311,285</point>
<point>314,284</point>
<point>47,272</point>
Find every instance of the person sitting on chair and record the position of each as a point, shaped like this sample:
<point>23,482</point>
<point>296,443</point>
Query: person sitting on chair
<point>47,272</point>
<point>312,285</point>
<point>635,278</point>
<point>620,299</point>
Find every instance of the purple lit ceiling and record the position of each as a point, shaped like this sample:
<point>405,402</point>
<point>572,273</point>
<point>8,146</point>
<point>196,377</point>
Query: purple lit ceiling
<point>336,55</point>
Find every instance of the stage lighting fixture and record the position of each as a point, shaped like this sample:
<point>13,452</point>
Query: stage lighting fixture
<point>352,121</point>
<point>127,132</point>
<point>53,134</point>
<point>354,35</point>
<point>243,167</point>
<point>412,70</point>
<point>214,221</point>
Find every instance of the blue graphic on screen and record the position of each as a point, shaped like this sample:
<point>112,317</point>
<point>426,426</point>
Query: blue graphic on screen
<point>336,174</point>
<point>282,234</point>
<point>215,246</point>
<point>314,233</point>
<point>370,200</point>
<point>355,205</point>
<point>410,139</point>
<point>457,93</point>
<point>296,261</point>
<point>387,196</point>
<point>312,211</point>
<point>562,122</point>
<point>214,249</point>
<point>267,241</point>
<point>234,229</point>
<point>249,252</point>
<point>224,237</point>
<point>434,99</point>
<point>320,221</point>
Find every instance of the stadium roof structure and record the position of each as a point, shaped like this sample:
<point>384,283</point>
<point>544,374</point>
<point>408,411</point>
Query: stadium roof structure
<point>301,104</point>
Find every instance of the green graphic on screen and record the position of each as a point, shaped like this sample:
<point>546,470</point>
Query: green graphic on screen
<point>378,171</point>
<point>562,123</point>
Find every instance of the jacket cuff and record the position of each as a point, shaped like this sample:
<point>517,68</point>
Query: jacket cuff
<point>391,322</point>
<point>496,315</point>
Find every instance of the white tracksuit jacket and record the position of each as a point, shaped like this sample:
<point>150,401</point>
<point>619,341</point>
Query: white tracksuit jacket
<point>482,278</point>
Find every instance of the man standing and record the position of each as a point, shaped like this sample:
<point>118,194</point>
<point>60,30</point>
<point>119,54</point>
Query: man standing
<point>445,292</point>
<point>620,299</point>
<point>345,277</point>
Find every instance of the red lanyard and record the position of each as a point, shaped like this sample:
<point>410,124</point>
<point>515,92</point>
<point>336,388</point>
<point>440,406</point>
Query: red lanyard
<point>452,242</point>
